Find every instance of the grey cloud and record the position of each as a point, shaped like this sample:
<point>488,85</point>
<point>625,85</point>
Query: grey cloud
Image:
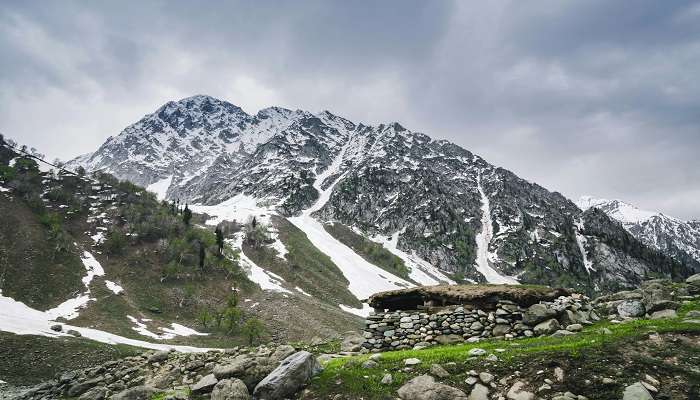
<point>584,97</point>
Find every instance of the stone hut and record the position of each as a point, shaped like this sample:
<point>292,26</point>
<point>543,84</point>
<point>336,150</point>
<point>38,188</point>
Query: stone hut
<point>427,315</point>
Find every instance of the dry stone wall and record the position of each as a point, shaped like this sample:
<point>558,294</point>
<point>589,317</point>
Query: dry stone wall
<point>393,330</point>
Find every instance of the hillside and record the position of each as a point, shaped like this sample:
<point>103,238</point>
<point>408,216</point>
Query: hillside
<point>83,251</point>
<point>445,212</point>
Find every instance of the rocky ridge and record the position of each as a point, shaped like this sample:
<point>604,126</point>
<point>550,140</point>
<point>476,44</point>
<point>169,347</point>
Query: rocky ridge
<point>429,199</point>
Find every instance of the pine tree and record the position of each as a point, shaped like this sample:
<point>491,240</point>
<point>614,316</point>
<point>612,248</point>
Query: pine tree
<point>220,240</point>
<point>186,215</point>
<point>202,255</point>
<point>254,223</point>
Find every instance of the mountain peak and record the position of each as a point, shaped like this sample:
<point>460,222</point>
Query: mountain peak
<point>618,209</point>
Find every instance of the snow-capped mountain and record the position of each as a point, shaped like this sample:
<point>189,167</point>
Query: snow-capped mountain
<point>434,204</point>
<point>678,238</point>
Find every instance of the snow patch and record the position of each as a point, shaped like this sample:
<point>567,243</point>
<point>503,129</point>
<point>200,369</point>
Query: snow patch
<point>70,308</point>
<point>360,312</point>
<point>115,288</point>
<point>483,239</point>
<point>160,188</point>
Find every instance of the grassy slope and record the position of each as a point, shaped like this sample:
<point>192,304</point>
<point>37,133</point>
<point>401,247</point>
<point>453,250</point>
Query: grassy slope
<point>591,351</point>
<point>29,272</point>
<point>304,266</point>
<point>369,250</point>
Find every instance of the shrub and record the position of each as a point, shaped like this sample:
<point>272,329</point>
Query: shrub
<point>253,329</point>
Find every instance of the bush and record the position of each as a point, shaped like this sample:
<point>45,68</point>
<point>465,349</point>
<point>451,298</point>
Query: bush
<point>115,242</point>
<point>253,329</point>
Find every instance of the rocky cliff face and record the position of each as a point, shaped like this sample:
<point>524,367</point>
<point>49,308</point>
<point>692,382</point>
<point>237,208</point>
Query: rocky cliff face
<point>677,238</point>
<point>428,198</point>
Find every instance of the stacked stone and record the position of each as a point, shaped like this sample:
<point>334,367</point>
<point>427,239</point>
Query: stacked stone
<point>395,330</point>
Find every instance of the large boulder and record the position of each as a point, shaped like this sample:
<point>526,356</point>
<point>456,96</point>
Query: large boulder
<point>636,391</point>
<point>83,387</point>
<point>205,385</point>
<point>537,313</point>
<point>230,389</point>
<point>546,327</point>
<point>693,280</point>
<point>291,375</point>
<point>249,369</point>
<point>424,387</point>
<point>136,393</point>
<point>96,393</point>
<point>631,309</point>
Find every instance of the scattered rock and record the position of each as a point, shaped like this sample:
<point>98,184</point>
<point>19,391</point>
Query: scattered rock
<point>73,332</point>
<point>96,393</point>
<point>369,364</point>
<point>57,327</point>
<point>205,385</point>
<point>230,389</point>
<point>574,327</point>
<point>475,352</point>
<point>136,393</point>
<point>631,309</point>
<point>479,392</point>
<point>693,280</point>
<point>516,392</point>
<point>485,377</point>
<point>159,356</point>
<point>438,371</point>
<point>424,387</point>
<point>448,339</point>
<point>662,314</point>
<point>537,313</point>
<point>387,379</point>
<point>693,314</point>
<point>636,391</point>
<point>559,374</point>
<point>546,327</point>
<point>290,376</point>
<point>562,333</point>
<point>411,361</point>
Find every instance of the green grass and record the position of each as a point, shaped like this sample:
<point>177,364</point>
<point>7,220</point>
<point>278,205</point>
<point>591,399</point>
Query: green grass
<point>367,382</point>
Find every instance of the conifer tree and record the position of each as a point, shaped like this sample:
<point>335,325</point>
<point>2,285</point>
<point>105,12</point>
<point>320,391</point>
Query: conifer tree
<point>186,215</point>
<point>202,255</point>
<point>254,222</point>
<point>220,240</point>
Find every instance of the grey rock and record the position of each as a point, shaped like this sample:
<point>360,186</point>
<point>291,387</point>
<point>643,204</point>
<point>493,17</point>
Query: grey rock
<point>424,387</point>
<point>546,327</point>
<point>136,393</point>
<point>636,391</point>
<point>516,392</point>
<point>479,392</point>
<point>369,364</point>
<point>692,314</point>
<point>82,387</point>
<point>285,350</point>
<point>159,356</point>
<point>205,385</point>
<point>631,309</point>
<point>485,377</point>
<point>411,362</point>
<point>387,379</point>
<point>476,352</point>
<point>663,314</point>
<point>537,313</point>
<point>57,327</point>
<point>96,393</point>
<point>574,328</point>
<point>290,376</point>
<point>230,389</point>
<point>448,339</point>
<point>438,371</point>
<point>693,280</point>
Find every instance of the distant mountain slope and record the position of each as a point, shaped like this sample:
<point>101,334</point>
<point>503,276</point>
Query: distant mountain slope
<point>434,204</point>
<point>678,238</point>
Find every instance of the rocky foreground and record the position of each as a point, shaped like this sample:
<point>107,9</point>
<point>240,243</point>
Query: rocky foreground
<point>647,347</point>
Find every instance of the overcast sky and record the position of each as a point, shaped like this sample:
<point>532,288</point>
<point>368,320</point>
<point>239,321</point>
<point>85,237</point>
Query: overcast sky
<point>582,97</point>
